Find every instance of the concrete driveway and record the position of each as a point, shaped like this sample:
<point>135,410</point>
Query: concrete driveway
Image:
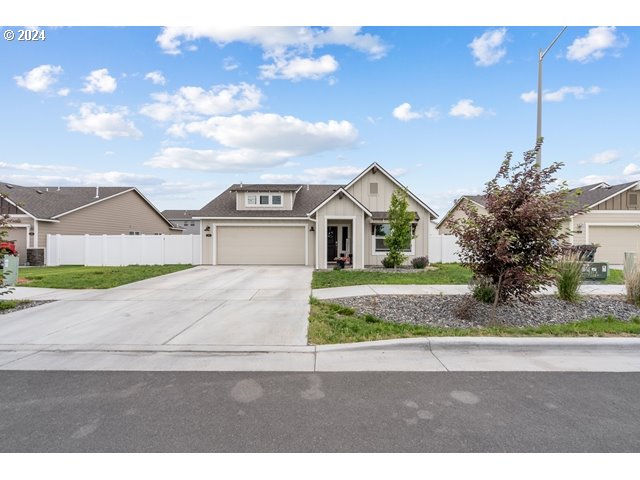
<point>223,305</point>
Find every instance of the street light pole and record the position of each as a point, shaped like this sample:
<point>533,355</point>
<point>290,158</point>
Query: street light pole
<point>541,55</point>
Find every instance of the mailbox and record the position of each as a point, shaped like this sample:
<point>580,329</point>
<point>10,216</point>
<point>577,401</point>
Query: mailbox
<point>595,270</point>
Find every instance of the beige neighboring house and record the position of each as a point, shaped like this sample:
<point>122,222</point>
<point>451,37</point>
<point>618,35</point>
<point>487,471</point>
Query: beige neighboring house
<point>35,212</point>
<point>612,219</point>
<point>456,211</point>
<point>299,224</point>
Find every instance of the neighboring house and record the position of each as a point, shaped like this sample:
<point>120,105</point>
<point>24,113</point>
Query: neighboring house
<point>612,219</point>
<point>456,211</point>
<point>184,219</point>
<point>35,212</point>
<point>307,224</point>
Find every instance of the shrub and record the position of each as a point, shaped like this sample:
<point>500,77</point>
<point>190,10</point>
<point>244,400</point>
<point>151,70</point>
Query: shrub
<point>400,230</point>
<point>569,277</point>
<point>483,289</point>
<point>516,242</point>
<point>420,262</point>
<point>632,284</point>
<point>388,262</point>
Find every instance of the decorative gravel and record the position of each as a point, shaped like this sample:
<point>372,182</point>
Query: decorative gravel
<point>24,305</point>
<point>456,311</point>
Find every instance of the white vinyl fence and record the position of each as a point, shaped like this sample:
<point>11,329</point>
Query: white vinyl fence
<point>443,249</point>
<point>121,250</point>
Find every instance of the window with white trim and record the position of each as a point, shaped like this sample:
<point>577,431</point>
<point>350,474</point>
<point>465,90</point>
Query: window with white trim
<point>380,231</point>
<point>263,200</point>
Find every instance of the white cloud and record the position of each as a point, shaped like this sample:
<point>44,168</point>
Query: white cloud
<point>487,49</point>
<point>289,49</point>
<point>40,78</point>
<point>100,81</point>
<point>594,45</point>
<point>273,39</point>
<point>404,113</point>
<point>63,92</point>
<point>34,167</point>
<point>466,109</point>
<point>96,120</point>
<point>237,160</point>
<point>631,169</point>
<point>270,132</point>
<point>604,158</point>
<point>156,77</point>
<point>84,179</point>
<point>441,202</point>
<point>230,64</point>
<point>298,68</point>
<point>559,95</point>
<point>255,141</point>
<point>190,103</point>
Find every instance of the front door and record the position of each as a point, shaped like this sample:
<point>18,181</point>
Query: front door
<point>332,243</point>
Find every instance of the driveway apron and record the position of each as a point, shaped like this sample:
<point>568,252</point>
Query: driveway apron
<point>222,305</point>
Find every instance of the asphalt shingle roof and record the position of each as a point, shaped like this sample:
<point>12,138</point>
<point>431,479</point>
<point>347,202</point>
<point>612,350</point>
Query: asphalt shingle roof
<point>260,187</point>
<point>224,205</point>
<point>47,202</point>
<point>180,214</point>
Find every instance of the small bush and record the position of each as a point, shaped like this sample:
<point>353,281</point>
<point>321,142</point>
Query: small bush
<point>388,262</point>
<point>569,278</point>
<point>483,289</point>
<point>464,309</point>
<point>420,262</point>
<point>632,284</point>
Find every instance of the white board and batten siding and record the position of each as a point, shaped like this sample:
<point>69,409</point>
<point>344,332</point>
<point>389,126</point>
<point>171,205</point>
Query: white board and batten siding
<point>122,250</point>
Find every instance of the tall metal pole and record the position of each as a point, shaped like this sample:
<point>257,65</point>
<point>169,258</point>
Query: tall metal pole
<point>541,55</point>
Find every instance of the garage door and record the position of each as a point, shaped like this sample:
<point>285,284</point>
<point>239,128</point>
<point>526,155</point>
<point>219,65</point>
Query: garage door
<point>260,245</point>
<point>19,237</point>
<point>614,241</point>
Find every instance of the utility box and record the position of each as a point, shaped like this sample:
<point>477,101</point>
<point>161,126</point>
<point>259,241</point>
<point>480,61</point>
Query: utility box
<point>595,270</point>
<point>10,270</point>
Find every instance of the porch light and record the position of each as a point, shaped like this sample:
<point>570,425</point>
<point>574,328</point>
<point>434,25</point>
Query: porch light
<point>311,229</point>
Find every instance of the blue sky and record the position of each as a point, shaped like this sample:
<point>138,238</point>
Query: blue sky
<point>182,113</point>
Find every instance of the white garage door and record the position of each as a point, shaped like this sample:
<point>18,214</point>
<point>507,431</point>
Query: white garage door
<point>261,245</point>
<point>614,241</point>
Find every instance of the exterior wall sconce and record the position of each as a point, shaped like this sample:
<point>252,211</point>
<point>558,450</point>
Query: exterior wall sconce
<point>312,229</point>
<point>208,229</point>
<point>579,228</point>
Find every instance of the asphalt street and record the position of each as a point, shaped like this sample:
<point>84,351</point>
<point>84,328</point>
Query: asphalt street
<point>319,412</point>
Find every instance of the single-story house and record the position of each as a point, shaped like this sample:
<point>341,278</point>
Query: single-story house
<point>35,212</point>
<point>299,224</point>
<point>612,219</point>
<point>184,219</point>
<point>456,211</point>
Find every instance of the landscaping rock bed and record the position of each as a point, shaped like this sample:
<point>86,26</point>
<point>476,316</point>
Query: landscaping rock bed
<point>455,311</point>
<point>26,304</point>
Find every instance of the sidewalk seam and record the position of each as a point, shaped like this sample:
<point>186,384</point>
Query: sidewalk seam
<point>435,356</point>
<point>192,324</point>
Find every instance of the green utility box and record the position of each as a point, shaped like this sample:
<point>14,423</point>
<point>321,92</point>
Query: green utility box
<point>595,270</point>
<point>10,270</point>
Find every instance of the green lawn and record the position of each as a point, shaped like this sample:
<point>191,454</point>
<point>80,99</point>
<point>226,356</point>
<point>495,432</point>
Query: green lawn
<point>616,277</point>
<point>446,273</point>
<point>9,304</point>
<point>331,323</point>
<point>91,277</point>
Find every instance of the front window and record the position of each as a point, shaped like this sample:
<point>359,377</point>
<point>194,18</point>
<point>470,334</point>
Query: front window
<point>264,199</point>
<point>276,199</point>
<point>380,231</point>
<point>251,199</point>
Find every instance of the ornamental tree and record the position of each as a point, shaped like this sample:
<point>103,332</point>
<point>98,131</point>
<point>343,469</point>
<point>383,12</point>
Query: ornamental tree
<point>516,243</point>
<point>3,234</point>
<point>400,231</point>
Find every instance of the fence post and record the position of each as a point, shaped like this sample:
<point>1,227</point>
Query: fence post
<point>629,262</point>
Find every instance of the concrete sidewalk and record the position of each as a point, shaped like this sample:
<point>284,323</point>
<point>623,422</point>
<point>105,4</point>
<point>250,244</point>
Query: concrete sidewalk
<point>35,293</point>
<point>369,290</point>
<point>435,354</point>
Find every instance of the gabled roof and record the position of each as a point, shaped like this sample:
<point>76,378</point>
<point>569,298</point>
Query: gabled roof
<point>180,214</point>
<point>340,191</point>
<point>479,200</point>
<point>309,197</point>
<point>591,195</point>
<point>398,184</point>
<point>51,203</point>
